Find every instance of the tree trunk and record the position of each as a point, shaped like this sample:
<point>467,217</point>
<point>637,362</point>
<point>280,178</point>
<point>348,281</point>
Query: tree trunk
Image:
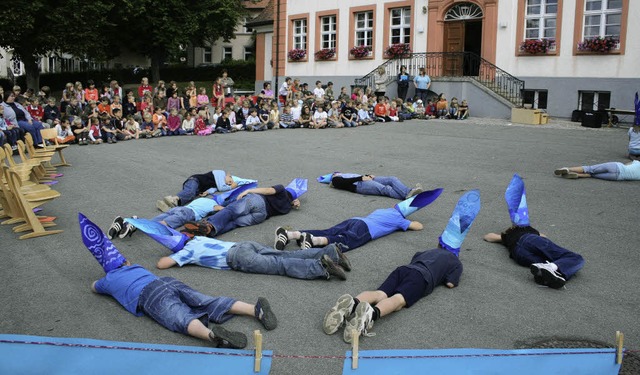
<point>156,60</point>
<point>32,71</point>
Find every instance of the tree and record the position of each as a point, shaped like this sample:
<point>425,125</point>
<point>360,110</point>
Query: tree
<point>34,28</point>
<point>157,28</point>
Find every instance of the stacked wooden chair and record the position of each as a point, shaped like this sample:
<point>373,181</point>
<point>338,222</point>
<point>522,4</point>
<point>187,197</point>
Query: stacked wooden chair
<point>52,135</point>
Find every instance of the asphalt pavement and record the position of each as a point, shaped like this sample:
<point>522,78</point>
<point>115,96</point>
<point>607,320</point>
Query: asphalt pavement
<point>46,280</point>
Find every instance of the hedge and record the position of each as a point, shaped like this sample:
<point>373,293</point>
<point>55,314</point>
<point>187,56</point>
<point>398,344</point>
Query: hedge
<point>240,71</point>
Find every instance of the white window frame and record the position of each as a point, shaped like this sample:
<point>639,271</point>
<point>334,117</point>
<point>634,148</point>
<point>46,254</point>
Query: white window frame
<point>403,25</point>
<point>536,98</point>
<point>328,36</point>
<point>227,53</point>
<point>542,19</point>
<point>364,33</point>
<point>603,12</point>
<point>596,99</point>
<point>300,34</point>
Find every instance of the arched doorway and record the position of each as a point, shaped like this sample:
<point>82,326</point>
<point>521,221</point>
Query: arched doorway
<point>462,33</point>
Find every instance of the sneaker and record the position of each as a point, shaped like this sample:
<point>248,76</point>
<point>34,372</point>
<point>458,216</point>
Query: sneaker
<point>109,140</point>
<point>265,315</point>
<point>116,227</point>
<point>221,338</point>
<point>571,175</point>
<point>343,261</point>
<point>561,171</point>
<point>547,274</point>
<point>332,268</point>
<point>199,228</point>
<point>281,239</point>
<point>338,314</point>
<point>128,229</point>
<point>162,205</point>
<point>306,241</point>
<point>361,323</point>
<point>415,191</point>
<point>172,200</point>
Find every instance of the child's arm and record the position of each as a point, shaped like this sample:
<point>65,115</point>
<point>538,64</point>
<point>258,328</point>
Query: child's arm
<point>415,225</point>
<point>261,191</point>
<point>166,262</point>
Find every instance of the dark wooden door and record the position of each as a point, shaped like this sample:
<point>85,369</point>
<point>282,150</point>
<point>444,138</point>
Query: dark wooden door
<point>453,42</point>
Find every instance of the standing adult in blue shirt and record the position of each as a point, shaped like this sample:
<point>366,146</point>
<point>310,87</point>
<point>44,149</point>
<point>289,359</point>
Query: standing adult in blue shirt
<point>422,82</point>
<point>357,231</point>
<point>408,284</point>
<point>171,303</point>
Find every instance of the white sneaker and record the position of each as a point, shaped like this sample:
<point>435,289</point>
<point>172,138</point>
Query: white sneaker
<point>547,274</point>
<point>561,171</point>
<point>335,317</point>
<point>172,200</point>
<point>361,323</point>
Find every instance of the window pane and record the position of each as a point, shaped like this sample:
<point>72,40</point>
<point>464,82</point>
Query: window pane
<point>533,23</point>
<point>550,22</point>
<point>590,32</point>
<point>614,19</point>
<point>594,5</point>
<point>604,99</point>
<point>551,9</point>
<point>407,17</point>
<point>592,20</point>
<point>587,101</point>
<point>614,4</point>
<point>612,31</point>
<point>542,99</point>
<point>531,10</point>
<point>533,2</point>
<point>550,33</point>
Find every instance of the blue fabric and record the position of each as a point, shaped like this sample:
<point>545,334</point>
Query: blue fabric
<point>422,82</point>
<point>516,198</point>
<point>205,252</point>
<point>79,356</point>
<point>532,248</point>
<point>125,284</point>
<point>165,236</point>
<point>384,221</point>
<point>637,105</point>
<point>176,216</point>
<point>99,245</point>
<point>460,221</point>
<point>174,305</point>
<point>252,257</point>
<point>630,172</point>
<point>387,186</point>
<point>325,179</point>
<point>634,138</point>
<point>351,233</point>
<point>250,210</point>
<point>485,361</point>
<point>242,181</point>
<point>413,204</point>
<point>220,177</point>
<point>228,197</point>
<point>201,207</point>
<point>297,187</point>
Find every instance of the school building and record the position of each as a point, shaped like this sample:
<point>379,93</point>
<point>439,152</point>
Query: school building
<point>557,55</point>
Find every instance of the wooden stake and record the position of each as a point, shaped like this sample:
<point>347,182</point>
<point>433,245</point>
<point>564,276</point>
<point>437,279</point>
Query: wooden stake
<point>257,339</point>
<point>354,350</point>
<point>619,346</point>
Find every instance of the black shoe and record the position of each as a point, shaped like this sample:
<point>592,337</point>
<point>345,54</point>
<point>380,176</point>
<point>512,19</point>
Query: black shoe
<point>128,229</point>
<point>116,227</point>
<point>200,228</point>
<point>265,315</point>
<point>306,241</point>
<point>281,239</point>
<point>343,261</point>
<point>221,338</point>
<point>332,268</point>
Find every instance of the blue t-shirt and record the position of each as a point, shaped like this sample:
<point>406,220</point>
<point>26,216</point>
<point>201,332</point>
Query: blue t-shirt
<point>634,139</point>
<point>205,252</point>
<point>629,172</point>
<point>422,82</point>
<point>125,285</point>
<point>201,207</point>
<point>385,221</point>
<point>437,266</point>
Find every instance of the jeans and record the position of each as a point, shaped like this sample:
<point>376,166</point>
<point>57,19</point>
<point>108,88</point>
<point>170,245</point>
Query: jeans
<point>250,210</point>
<point>33,129</point>
<point>349,124</point>
<point>189,191</point>
<point>252,257</point>
<point>383,185</point>
<point>174,305</point>
<point>176,216</point>
<point>606,171</point>
<point>422,95</point>
<point>176,132</point>
<point>352,233</point>
<point>532,248</point>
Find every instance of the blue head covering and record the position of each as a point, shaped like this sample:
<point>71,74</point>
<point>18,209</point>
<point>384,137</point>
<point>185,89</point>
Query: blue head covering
<point>165,236</point>
<point>516,198</point>
<point>637,103</point>
<point>225,198</point>
<point>413,204</point>
<point>242,181</point>
<point>297,187</point>
<point>460,221</point>
<point>99,245</point>
<point>325,179</point>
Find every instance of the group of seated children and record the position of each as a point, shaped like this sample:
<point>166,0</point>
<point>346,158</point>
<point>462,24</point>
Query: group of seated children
<point>440,109</point>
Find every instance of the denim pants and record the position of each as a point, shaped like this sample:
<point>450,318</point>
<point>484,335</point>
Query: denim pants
<point>383,185</point>
<point>351,233</point>
<point>189,191</point>
<point>176,216</point>
<point>174,305</point>
<point>252,257</point>
<point>33,129</point>
<point>250,210</point>
<point>532,248</point>
<point>606,171</point>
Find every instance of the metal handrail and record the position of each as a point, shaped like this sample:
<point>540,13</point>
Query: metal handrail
<point>453,64</point>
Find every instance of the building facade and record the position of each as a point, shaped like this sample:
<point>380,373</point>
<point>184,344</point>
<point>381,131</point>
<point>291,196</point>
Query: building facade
<point>548,44</point>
